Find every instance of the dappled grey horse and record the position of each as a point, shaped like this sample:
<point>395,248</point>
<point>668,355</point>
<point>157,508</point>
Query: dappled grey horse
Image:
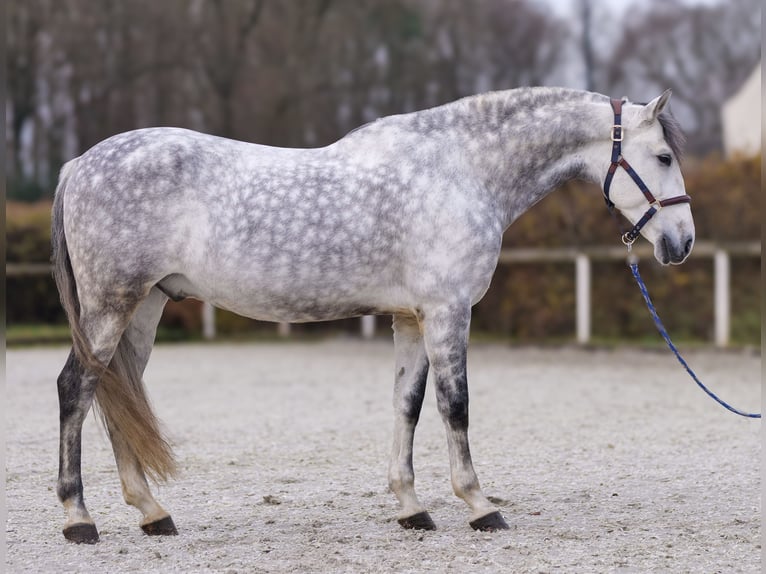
<point>403,216</point>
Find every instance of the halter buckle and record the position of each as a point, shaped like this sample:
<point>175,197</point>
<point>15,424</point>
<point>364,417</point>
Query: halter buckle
<point>628,240</point>
<point>616,133</point>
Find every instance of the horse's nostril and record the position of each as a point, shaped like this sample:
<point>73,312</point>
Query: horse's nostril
<point>688,246</point>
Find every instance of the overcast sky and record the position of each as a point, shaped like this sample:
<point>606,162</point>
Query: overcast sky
<point>564,7</point>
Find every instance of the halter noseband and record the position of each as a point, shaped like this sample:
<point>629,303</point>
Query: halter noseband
<point>618,161</point>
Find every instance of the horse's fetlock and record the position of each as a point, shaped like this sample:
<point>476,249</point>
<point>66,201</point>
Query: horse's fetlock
<point>399,481</point>
<point>466,487</point>
<point>69,490</point>
<point>130,497</point>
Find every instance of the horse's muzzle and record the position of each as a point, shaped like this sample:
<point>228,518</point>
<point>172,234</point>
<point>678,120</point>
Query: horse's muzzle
<point>669,251</point>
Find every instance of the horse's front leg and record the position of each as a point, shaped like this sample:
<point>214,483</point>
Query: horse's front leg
<point>446,338</point>
<point>409,388</point>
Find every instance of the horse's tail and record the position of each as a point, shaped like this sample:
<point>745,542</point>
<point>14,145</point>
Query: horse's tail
<point>120,397</point>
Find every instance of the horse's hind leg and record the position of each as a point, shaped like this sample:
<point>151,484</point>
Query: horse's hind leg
<point>76,389</point>
<point>409,388</point>
<point>445,330</point>
<point>135,349</point>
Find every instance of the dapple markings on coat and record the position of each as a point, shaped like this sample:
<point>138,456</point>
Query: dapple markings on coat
<point>403,216</point>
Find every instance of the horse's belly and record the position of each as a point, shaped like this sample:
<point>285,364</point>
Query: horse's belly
<point>289,300</point>
<point>308,312</point>
<point>300,308</point>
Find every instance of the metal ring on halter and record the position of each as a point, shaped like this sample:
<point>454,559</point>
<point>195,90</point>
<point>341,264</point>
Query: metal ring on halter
<point>627,240</point>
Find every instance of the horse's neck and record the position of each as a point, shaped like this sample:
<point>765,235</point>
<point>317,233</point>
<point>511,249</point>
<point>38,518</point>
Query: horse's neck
<point>532,142</point>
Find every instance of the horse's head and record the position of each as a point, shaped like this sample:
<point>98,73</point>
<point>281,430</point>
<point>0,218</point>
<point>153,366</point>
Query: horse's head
<point>651,146</point>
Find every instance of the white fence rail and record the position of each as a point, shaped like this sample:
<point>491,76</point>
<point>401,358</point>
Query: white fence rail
<point>720,254</point>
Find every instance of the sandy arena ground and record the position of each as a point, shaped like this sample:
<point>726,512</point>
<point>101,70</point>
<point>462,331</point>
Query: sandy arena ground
<point>601,461</point>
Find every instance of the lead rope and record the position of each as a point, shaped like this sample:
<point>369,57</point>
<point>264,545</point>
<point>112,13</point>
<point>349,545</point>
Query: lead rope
<point>633,264</point>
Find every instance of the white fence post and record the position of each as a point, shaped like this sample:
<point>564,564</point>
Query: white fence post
<point>722,297</point>
<point>208,321</point>
<point>582,297</point>
<point>368,326</point>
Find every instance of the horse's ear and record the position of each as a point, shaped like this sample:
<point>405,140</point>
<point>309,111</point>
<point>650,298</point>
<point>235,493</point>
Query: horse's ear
<point>655,107</point>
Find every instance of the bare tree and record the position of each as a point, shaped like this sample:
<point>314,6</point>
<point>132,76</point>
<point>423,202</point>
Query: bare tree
<point>702,52</point>
<point>585,13</point>
<point>299,73</point>
<point>498,44</point>
<point>22,53</point>
<point>223,31</point>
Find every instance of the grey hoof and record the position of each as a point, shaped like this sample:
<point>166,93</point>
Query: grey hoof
<point>489,523</point>
<point>82,533</point>
<point>419,521</point>
<point>161,527</point>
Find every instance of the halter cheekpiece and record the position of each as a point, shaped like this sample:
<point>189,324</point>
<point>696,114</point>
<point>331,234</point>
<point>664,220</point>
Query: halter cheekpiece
<point>618,161</point>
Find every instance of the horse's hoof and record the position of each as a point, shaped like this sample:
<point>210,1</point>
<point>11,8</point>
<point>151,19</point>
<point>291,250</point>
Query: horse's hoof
<point>161,527</point>
<point>419,521</point>
<point>82,533</point>
<point>489,522</point>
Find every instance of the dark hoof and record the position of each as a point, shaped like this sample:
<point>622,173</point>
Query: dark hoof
<point>81,533</point>
<point>161,527</point>
<point>419,521</point>
<point>489,523</point>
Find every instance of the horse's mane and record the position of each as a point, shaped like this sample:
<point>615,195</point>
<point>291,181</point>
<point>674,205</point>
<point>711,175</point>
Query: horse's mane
<point>508,100</point>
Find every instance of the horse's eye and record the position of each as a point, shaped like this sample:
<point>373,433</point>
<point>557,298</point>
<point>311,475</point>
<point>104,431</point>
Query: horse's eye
<point>665,158</point>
